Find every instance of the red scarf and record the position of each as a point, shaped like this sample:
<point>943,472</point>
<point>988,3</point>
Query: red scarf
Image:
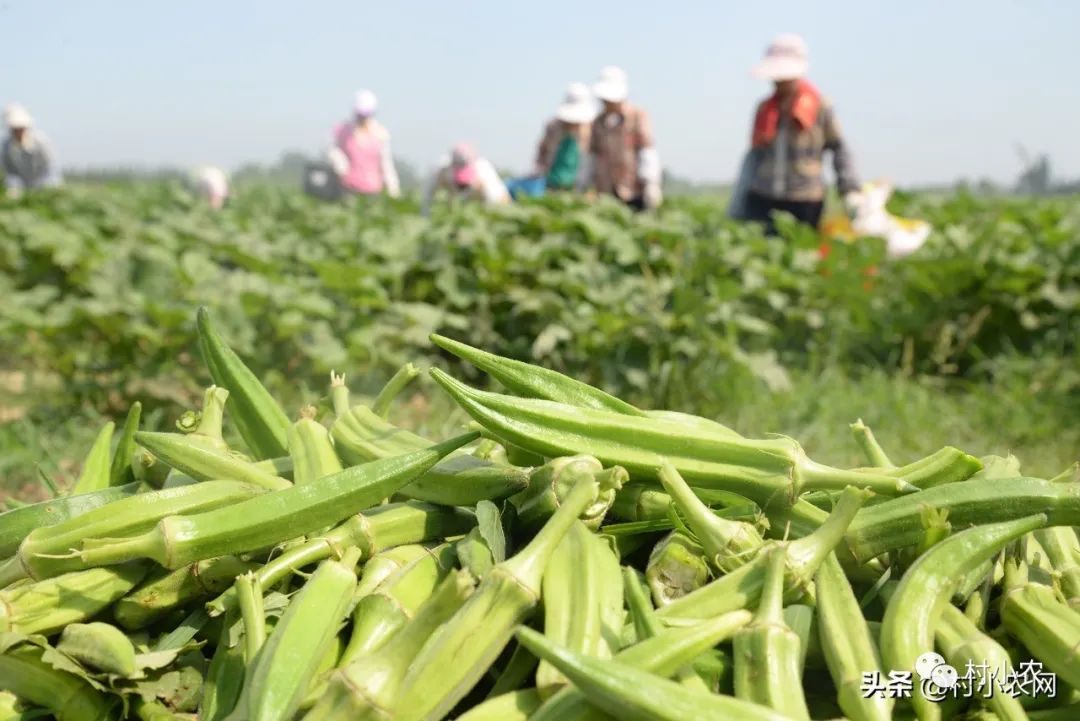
<point>804,110</point>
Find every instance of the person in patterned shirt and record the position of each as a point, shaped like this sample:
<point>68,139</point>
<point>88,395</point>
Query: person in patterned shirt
<point>792,130</point>
<point>623,158</point>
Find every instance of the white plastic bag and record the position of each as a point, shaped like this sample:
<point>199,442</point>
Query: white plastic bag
<point>902,235</point>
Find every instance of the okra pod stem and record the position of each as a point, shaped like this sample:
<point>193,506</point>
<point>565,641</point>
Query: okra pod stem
<point>249,595</point>
<point>908,626</point>
<point>677,567</point>
<point>261,421</point>
<point>380,528</point>
<point>95,468</point>
<point>272,518</point>
<point>385,564</point>
<point>728,544</point>
<point>873,451</point>
<point>405,375</point>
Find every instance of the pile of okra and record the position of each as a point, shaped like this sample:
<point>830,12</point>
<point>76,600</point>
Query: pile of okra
<point>568,556</point>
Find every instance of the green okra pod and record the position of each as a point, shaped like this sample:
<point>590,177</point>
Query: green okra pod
<point>649,502</point>
<point>368,687</point>
<point>100,646</point>
<point>627,692</point>
<point>948,465</point>
<point>762,470</point>
<point>386,563</point>
<point>908,625</point>
<point>285,665</point>
<point>388,608</point>
<point>965,646</point>
<point>311,449</point>
<point>768,653</point>
<point>167,590</point>
<point>535,381</point>
<point>67,696</point>
<point>847,644</point>
<point>468,644</point>
<point>50,605</point>
<point>375,530</point>
<point>582,593</point>
<point>677,566</point>
<point>249,596</point>
<point>511,706</point>
<point>1062,549</point>
<point>261,421</point>
<point>666,654</point>
<point>1033,614</point>
<point>95,467</point>
<point>742,587</point>
<point>270,519</point>
<point>120,470</point>
<point>727,544</point>
<point>205,428</point>
<point>224,677</point>
<point>53,550</point>
<point>462,479</point>
<point>693,421</point>
<point>194,458</point>
<point>897,522</point>
<point>15,525</point>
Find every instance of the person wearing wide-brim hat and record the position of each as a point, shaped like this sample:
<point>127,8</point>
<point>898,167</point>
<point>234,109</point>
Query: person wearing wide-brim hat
<point>561,156</point>
<point>623,158</point>
<point>25,155</point>
<point>792,130</point>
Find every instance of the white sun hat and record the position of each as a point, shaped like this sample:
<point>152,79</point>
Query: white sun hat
<point>365,103</point>
<point>786,58</point>
<point>16,116</point>
<point>612,86</point>
<point>577,105</point>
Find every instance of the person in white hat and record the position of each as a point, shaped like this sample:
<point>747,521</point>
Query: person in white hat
<point>793,128</point>
<point>361,154</point>
<point>212,184</point>
<point>464,175</point>
<point>623,157</point>
<point>26,157</point>
<point>560,158</point>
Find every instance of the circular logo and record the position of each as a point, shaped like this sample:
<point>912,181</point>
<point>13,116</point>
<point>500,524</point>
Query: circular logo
<point>944,676</point>
<point>927,662</point>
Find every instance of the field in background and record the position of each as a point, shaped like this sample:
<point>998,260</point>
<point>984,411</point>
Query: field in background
<point>971,342</point>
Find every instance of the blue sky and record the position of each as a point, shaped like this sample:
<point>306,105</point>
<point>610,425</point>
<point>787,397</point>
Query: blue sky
<point>926,91</point>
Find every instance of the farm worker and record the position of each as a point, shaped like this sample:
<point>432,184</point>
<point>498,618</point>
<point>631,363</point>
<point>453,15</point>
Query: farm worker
<point>623,159</point>
<point>467,176</point>
<point>27,160</point>
<point>792,130</point>
<point>361,154</point>
<point>212,184</point>
<point>561,156</point>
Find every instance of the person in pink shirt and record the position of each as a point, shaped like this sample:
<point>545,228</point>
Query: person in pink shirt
<point>361,154</point>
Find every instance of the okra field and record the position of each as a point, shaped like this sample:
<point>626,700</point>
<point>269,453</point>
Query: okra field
<point>551,462</point>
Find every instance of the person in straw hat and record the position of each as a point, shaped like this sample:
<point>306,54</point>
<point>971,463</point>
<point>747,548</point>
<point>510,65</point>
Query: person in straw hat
<point>466,176</point>
<point>560,158</point>
<point>792,129</point>
<point>624,161</point>
<point>361,155</point>
<point>26,158</point>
